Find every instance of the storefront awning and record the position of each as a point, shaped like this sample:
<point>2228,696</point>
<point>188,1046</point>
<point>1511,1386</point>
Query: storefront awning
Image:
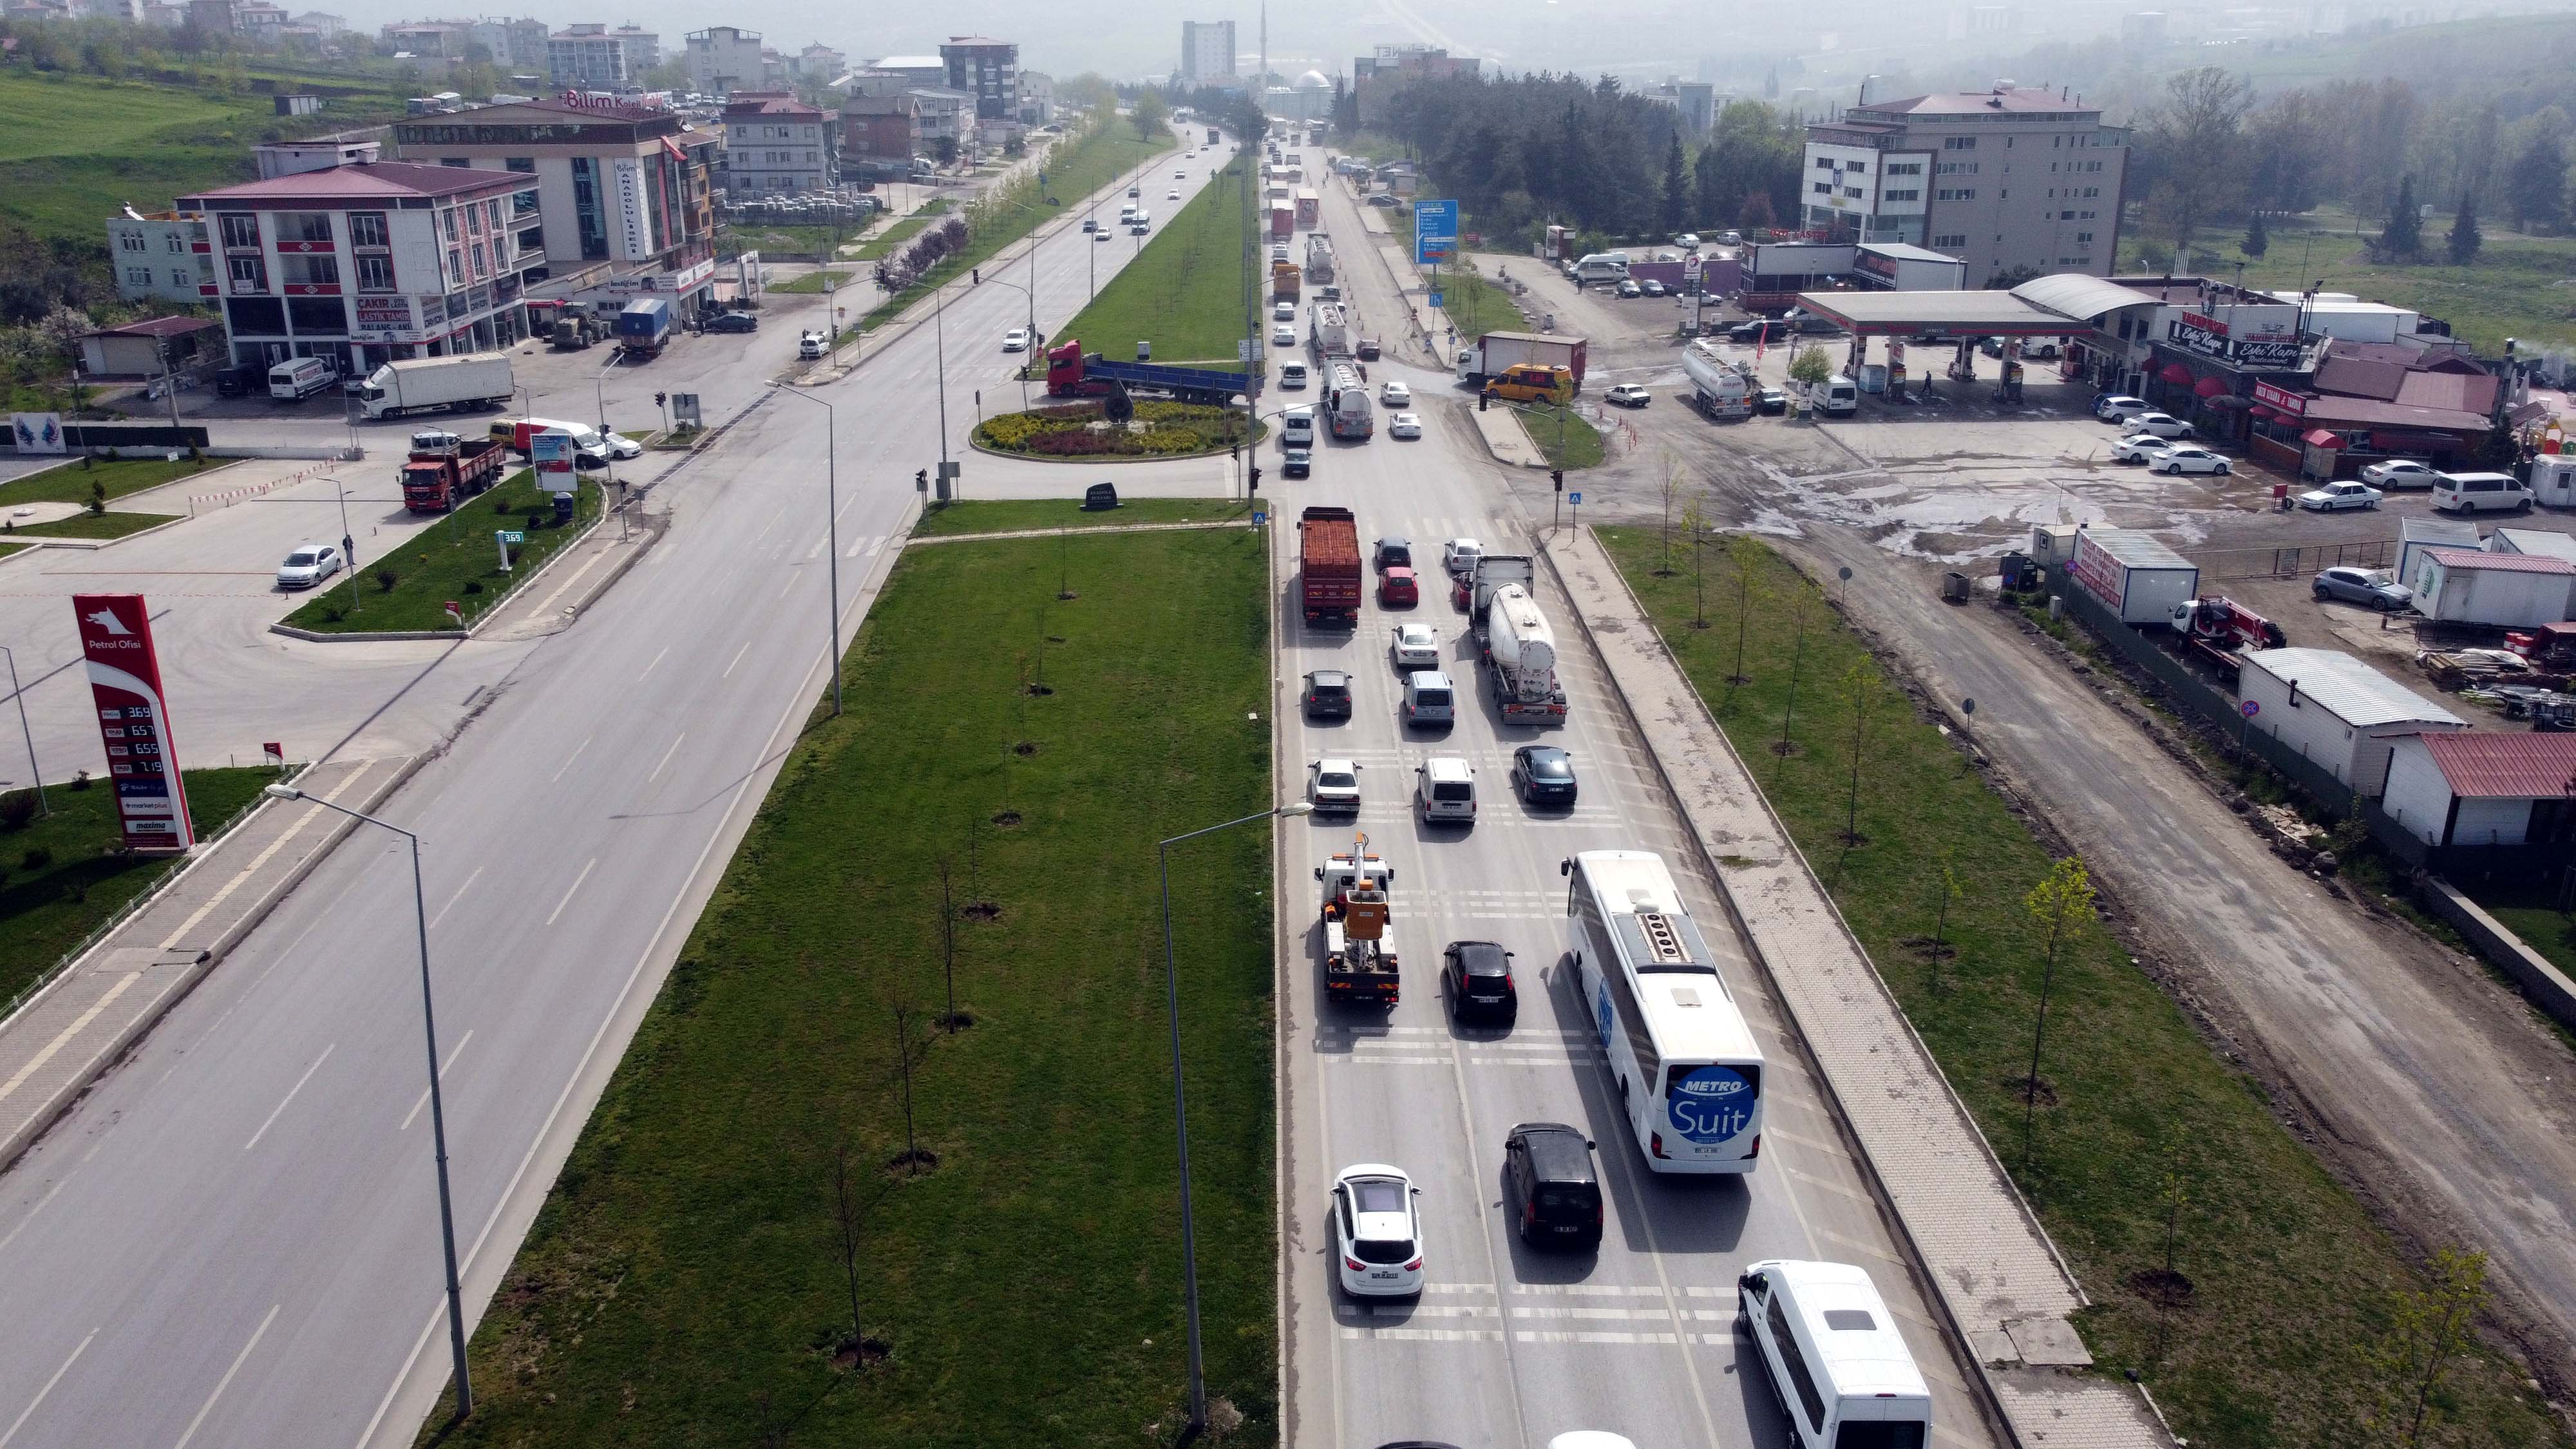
<point>2266,413</point>
<point>2320,438</point>
<point>2207,387</point>
<point>2176,374</point>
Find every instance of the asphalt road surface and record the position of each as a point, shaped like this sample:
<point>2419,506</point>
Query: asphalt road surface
<point>1508,1347</point>
<point>233,1239</point>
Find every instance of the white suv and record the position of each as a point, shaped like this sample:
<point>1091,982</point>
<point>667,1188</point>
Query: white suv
<point>1444,790</point>
<point>1377,1234</point>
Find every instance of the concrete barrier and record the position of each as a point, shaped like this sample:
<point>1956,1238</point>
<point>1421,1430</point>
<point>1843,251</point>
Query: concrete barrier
<point>2542,983</point>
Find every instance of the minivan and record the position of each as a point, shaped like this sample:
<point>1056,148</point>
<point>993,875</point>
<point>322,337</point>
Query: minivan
<point>1429,698</point>
<point>1297,428</point>
<point>1444,789</point>
<point>2479,493</point>
<point>299,378</point>
<point>1837,1364</point>
<point>1836,396</point>
<point>1554,1186</point>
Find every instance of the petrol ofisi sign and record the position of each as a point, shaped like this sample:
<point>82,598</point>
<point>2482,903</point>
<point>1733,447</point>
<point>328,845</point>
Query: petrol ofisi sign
<point>133,720</point>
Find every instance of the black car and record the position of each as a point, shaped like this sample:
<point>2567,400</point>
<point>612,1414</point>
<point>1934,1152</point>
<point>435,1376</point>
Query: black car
<point>1543,775</point>
<point>1758,331</point>
<point>1090,224</point>
<point>1394,553</point>
<point>1772,401</point>
<point>241,380</point>
<point>1476,976</point>
<point>1328,694</point>
<point>734,322</point>
<point>1554,1188</point>
<point>1366,349</point>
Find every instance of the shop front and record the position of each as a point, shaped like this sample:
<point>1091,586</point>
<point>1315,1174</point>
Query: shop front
<point>2327,436</point>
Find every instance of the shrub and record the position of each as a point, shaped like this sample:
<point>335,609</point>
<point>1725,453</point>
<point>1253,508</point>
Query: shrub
<point>16,810</point>
<point>386,579</point>
<point>37,858</point>
<point>80,779</point>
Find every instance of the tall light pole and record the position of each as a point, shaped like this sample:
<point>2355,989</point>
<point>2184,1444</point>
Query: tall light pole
<point>437,1107</point>
<point>832,523</point>
<point>1181,1108</point>
<point>33,768</point>
<point>939,336</point>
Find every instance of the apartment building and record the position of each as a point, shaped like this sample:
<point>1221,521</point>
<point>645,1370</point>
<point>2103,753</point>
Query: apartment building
<point>2002,179</point>
<point>819,64</point>
<point>362,264</point>
<point>593,57</point>
<point>775,143</point>
<point>988,70</point>
<point>162,255</point>
<point>1207,51</point>
<point>723,59</point>
<point>881,128</point>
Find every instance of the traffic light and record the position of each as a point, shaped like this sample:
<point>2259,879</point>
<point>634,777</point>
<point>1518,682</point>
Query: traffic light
<point>1254,486</point>
<point>1557,475</point>
<point>661,399</point>
<point>921,481</point>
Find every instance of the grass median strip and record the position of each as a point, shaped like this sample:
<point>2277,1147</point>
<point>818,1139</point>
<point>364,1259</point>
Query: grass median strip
<point>96,525</point>
<point>63,874</point>
<point>1012,514</point>
<point>2286,1283</point>
<point>684,1283</point>
<point>1184,291</point>
<point>72,483</point>
<point>812,282</point>
<point>457,558</point>
<point>1562,435</point>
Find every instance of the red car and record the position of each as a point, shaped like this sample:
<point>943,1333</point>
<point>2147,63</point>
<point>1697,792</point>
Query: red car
<point>1398,587</point>
<point>1461,590</point>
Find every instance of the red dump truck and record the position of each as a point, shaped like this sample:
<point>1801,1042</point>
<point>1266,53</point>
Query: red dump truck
<point>1283,222</point>
<point>445,470</point>
<point>1328,564</point>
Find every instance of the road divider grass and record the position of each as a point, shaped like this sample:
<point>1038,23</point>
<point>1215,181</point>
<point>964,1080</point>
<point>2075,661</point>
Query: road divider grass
<point>2261,1325</point>
<point>95,525</point>
<point>1185,292</point>
<point>456,558</point>
<point>1562,435</point>
<point>1009,515</point>
<point>685,1282</point>
<point>115,477</point>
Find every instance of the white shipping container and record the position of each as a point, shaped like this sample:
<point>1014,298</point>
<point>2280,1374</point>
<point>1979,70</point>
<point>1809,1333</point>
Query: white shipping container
<point>2335,711</point>
<point>2505,590</point>
<point>2132,574</point>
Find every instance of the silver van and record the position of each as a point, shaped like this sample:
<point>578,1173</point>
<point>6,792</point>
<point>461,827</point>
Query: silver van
<point>1429,698</point>
<point>1444,791</point>
<point>2480,493</point>
<point>1297,428</point>
<point>299,378</point>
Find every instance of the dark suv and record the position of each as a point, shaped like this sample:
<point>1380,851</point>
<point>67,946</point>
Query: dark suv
<point>1477,977</point>
<point>1328,695</point>
<point>1552,1186</point>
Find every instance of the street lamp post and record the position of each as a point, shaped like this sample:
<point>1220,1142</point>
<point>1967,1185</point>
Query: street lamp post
<point>437,1107</point>
<point>599,392</point>
<point>1181,1110</point>
<point>42,808</point>
<point>832,524</point>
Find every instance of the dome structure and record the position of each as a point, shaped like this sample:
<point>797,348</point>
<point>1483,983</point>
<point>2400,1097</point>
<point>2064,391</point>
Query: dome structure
<point>1314,80</point>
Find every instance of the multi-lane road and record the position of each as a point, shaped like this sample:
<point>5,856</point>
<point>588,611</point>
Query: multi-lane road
<point>233,1239</point>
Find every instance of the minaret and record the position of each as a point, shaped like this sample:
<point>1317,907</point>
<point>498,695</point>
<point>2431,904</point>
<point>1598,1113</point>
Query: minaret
<point>1261,78</point>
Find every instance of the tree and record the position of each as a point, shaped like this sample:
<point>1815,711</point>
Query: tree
<point>2292,151</point>
<point>2403,240</point>
<point>1151,115</point>
<point>1089,91</point>
<point>1695,521</point>
<point>1757,214</point>
<point>2465,238</point>
<point>2061,904</point>
<point>2195,148</point>
<point>2012,276</point>
<point>1744,557</point>
<point>1674,194</point>
<point>2257,241</point>
<point>1811,366</point>
<point>845,1221</point>
<point>2427,1331</point>
<point>2536,185</point>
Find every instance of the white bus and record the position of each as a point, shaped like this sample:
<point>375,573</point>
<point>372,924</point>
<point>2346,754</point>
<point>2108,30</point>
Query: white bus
<point>1685,1064</point>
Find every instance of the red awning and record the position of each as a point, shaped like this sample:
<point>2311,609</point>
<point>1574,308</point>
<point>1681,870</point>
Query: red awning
<point>2208,387</point>
<point>2176,373</point>
<point>2320,438</point>
<point>2266,413</point>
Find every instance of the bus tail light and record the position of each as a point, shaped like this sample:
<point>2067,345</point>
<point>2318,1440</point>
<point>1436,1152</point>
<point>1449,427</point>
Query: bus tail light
<point>1655,1144</point>
<point>1757,1146</point>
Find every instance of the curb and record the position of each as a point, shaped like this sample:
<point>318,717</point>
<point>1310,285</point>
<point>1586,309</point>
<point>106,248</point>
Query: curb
<point>316,636</point>
<point>89,545</point>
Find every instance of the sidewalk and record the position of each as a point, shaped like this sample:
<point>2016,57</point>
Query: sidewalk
<point>1506,439</point>
<point>80,1024</point>
<point>1998,1277</point>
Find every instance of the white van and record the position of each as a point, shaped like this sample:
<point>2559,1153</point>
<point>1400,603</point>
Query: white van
<point>1444,791</point>
<point>1600,267</point>
<point>2480,493</point>
<point>299,378</point>
<point>1837,396</point>
<point>1297,428</point>
<point>1429,698</point>
<point>1836,1362</point>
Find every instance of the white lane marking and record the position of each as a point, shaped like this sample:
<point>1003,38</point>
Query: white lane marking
<point>666,759</point>
<point>257,861</point>
<point>737,659</point>
<point>790,584</point>
<point>821,542</point>
<point>31,1217</point>
<point>568,759</point>
<point>567,895</point>
<point>1540,1336</point>
<point>656,664</point>
<point>1418,1310</point>
<point>452,900</point>
<point>78,1025</point>
<point>227,1380</point>
<point>1429,1335</point>
<point>442,1076</point>
<point>857,545</point>
<point>1705,1315</point>
<point>29,1412</point>
<point>280,1108</point>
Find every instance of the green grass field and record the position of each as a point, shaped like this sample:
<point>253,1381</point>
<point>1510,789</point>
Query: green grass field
<point>888,241</point>
<point>456,558</point>
<point>1476,306</point>
<point>67,115</point>
<point>1184,292</point>
<point>1007,515</point>
<point>71,482</point>
<point>812,282</point>
<point>2516,287</point>
<point>1565,438</point>
<point>2292,1278</point>
<point>97,525</point>
<point>682,1284</point>
<point>2531,912</point>
<point>58,881</point>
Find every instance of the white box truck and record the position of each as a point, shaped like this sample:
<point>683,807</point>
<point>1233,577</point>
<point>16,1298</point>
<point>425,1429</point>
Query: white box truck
<point>438,384</point>
<point>2132,574</point>
<point>1489,355</point>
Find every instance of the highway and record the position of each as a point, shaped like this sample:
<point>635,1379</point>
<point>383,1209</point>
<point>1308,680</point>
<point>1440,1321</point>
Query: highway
<point>1508,1347</point>
<point>233,1239</point>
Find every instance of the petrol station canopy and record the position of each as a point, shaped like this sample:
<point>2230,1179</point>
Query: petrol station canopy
<point>1947,315</point>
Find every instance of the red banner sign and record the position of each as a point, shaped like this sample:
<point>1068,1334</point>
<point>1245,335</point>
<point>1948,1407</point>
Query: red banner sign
<point>125,687</point>
<point>2206,324</point>
<point>2281,399</point>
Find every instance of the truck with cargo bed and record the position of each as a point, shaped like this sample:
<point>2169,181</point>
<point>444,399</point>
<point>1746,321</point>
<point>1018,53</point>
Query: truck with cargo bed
<point>1360,963</point>
<point>1283,222</point>
<point>1284,282</point>
<point>1328,565</point>
<point>644,328</point>
<point>1495,352</point>
<point>1073,373</point>
<point>444,470</point>
<point>463,383</point>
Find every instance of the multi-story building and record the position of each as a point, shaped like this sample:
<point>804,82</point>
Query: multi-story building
<point>1037,98</point>
<point>819,64</point>
<point>594,57</point>
<point>162,255</point>
<point>622,204</point>
<point>898,73</point>
<point>2003,180</point>
<point>776,143</point>
<point>988,70</point>
<point>427,39</point>
<point>322,23</point>
<point>362,264</point>
<point>881,128</point>
<point>1207,51</point>
<point>211,17</point>
<point>527,38</point>
<point>723,59</point>
<point>259,21</point>
<point>1376,78</point>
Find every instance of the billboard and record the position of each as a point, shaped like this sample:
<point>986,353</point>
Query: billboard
<point>133,723</point>
<point>37,432</point>
<point>1435,231</point>
<point>634,234</point>
<point>552,453</point>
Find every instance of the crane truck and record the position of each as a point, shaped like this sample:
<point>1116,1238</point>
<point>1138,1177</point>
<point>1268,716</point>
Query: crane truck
<point>1360,963</point>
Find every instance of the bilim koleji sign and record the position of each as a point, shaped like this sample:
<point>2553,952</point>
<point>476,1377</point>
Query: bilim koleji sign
<point>133,720</point>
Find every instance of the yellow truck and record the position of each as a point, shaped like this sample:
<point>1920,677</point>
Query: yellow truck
<point>1283,281</point>
<point>1529,382</point>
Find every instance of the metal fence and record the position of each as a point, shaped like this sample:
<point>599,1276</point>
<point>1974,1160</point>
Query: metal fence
<point>2294,563</point>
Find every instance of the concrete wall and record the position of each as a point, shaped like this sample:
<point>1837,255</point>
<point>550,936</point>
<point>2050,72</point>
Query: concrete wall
<point>2544,984</point>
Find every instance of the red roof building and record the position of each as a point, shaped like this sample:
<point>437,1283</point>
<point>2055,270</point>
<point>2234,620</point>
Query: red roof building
<point>2485,788</point>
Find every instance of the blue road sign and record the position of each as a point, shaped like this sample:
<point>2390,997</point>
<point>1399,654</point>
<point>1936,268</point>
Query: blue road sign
<point>1259,518</point>
<point>1435,231</point>
<point>1574,498</point>
<point>1438,298</point>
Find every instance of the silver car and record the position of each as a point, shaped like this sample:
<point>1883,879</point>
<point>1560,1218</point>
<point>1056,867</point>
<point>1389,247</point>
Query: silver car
<point>2374,587</point>
<point>308,565</point>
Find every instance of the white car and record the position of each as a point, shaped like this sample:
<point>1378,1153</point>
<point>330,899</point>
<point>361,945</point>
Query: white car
<point>1283,311</point>
<point>2334,497</point>
<point>1283,335</point>
<point>622,447</point>
<point>1393,394</point>
<point>1172,195</point>
<point>310,564</point>
<point>1404,425</point>
<point>1688,241</point>
<point>2163,425</point>
<point>1459,555</point>
<point>2186,459</point>
<point>1416,646</point>
<point>1333,786</point>
<point>2401,473</point>
<point>1377,1235</point>
<point>2120,407</point>
<point>2141,448</point>
<point>1628,395</point>
<point>1016,340</point>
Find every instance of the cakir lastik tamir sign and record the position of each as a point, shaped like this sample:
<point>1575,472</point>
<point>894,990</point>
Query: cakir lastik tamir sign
<point>133,721</point>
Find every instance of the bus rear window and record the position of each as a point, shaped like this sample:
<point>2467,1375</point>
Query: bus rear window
<point>1880,1434</point>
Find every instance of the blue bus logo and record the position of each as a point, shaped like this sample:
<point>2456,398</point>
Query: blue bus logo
<point>1712,1104</point>
<point>1601,1010</point>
